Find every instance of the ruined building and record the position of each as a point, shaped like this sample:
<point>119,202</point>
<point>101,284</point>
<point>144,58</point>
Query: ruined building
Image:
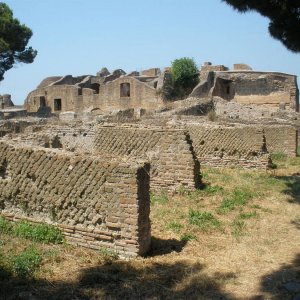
<point>119,91</point>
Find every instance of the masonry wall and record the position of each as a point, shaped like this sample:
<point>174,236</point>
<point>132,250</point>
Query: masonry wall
<point>260,88</point>
<point>97,201</point>
<point>280,138</point>
<point>170,152</point>
<point>67,93</point>
<point>218,145</point>
<point>141,95</point>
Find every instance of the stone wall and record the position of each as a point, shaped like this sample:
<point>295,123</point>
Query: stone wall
<point>97,201</point>
<point>220,145</point>
<point>280,138</point>
<point>170,152</point>
<point>140,95</point>
<point>260,88</point>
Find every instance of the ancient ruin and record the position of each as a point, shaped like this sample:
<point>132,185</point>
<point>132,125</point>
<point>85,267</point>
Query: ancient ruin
<point>92,148</point>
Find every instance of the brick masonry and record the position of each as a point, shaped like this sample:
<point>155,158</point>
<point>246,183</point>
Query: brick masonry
<point>97,201</point>
<point>170,152</point>
<point>238,146</point>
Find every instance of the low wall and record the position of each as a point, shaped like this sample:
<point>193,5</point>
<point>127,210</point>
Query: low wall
<point>170,152</point>
<point>280,138</point>
<point>97,201</point>
<point>238,146</point>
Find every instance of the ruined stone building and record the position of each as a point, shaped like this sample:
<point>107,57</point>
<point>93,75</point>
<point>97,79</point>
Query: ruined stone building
<point>104,92</point>
<point>120,91</point>
<point>245,86</point>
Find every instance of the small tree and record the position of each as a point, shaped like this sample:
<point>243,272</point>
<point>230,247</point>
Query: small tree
<point>185,75</point>
<point>14,38</point>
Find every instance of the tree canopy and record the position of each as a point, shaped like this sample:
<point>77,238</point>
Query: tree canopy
<point>284,18</point>
<point>14,38</point>
<point>185,75</point>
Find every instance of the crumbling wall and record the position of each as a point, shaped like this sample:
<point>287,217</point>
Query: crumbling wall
<point>280,138</point>
<point>260,88</point>
<point>170,152</point>
<point>139,94</point>
<point>96,201</point>
<point>239,146</point>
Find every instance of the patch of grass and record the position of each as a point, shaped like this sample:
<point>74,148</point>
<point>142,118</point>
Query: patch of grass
<point>108,255</point>
<point>249,215</point>
<point>239,197</point>
<point>212,189</point>
<point>161,198</point>
<point>175,226</point>
<point>38,232</point>
<point>186,237</point>
<point>298,151</point>
<point>204,220</point>
<point>26,263</point>
<point>5,226</point>
<point>238,227</point>
<point>279,156</point>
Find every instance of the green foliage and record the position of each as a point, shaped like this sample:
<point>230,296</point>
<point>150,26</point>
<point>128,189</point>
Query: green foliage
<point>238,227</point>
<point>5,226</point>
<point>175,226</point>
<point>186,237</point>
<point>161,198</point>
<point>298,151</point>
<point>26,263</point>
<point>239,197</point>
<point>185,75</point>
<point>14,38</point>
<point>108,255</point>
<point>38,232</point>
<point>204,220</point>
<point>279,156</point>
<point>284,18</point>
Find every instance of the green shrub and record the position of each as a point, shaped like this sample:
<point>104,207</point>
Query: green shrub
<point>26,263</point>
<point>38,232</point>
<point>204,220</point>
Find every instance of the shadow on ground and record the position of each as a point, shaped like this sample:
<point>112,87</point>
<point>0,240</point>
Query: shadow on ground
<point>292,186</point>
<point>283,283</point>
<point>125,280</point>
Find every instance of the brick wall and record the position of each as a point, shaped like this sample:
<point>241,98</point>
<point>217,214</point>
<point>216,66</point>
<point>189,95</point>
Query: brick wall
<point>280,138</point>
<point>173,163</point>
<point>218,145</point>
<point>97,201</point>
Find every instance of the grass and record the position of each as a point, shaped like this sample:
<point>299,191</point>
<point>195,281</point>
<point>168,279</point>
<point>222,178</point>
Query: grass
<point>204,220</point>
<point>239,197</point>
<point>36,232</point>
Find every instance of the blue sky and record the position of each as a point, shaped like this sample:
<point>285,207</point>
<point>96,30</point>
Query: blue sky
<point>80,37</point>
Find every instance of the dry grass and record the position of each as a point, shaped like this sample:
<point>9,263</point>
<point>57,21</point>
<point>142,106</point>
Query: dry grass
<point>236,239</point>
